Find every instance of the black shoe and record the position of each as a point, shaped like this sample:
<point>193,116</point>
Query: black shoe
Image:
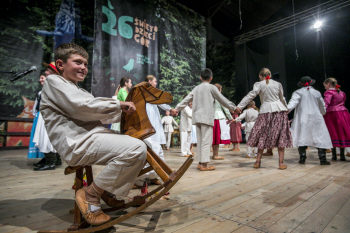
<point>45,168</point>
<point>322,156</point>
<point>58,160</point>
<point>334,155</point>
<point>342,154</point>
<point>41,163</point>
<point>302,153</point>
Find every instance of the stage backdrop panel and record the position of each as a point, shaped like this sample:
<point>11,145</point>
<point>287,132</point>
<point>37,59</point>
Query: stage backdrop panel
<point>126,43</point>
<point>137,38</point>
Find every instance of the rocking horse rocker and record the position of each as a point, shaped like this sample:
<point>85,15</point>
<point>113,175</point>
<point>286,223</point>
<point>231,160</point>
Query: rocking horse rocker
<point>135,125</point>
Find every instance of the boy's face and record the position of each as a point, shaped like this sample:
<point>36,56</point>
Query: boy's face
<point>167,113</point>
<point>153,82</point>
<point>75,69</point>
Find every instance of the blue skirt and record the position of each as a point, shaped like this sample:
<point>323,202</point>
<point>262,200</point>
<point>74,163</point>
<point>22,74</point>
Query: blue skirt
<point>33,151</point>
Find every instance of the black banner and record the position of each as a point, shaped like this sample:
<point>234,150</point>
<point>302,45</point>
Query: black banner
<point>126,43</point>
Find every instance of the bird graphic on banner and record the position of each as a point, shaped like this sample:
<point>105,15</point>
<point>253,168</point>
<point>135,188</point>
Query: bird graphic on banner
<point>128,67</point>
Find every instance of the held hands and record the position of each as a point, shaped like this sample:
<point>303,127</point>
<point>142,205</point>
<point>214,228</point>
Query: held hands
<point>174,112</point>
<point>230,121</point>
<point>128,107</point>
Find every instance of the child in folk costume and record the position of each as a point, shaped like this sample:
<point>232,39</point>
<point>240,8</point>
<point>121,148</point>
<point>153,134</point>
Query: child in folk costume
<point>235,133</point>
<point>337,117</point>
<point>250,115</point>
<point>120,94</point>
<point>168,122</point>
<point>308,126</point>
<point>74,122</point>
<point>185,130</point>
<point>40,137</point>
<point>156,140</point>
<point>202,97</point>
<point>33,151</point>
<point>271,129</point>
<point>221,130</point>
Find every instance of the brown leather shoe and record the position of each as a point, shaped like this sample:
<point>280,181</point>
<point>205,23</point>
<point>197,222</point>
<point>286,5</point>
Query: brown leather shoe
<point>217,158</point>
<point>282,167</point>
<point>110,199</point>
<point>94,218</point>
<point>207,168</point>
<point>185,155</point>
<point>155,181</point>
<point>348,154</point>
<point>257,165</point>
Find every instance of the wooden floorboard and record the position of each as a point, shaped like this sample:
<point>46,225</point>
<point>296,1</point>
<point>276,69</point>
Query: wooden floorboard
<point>233,198</point>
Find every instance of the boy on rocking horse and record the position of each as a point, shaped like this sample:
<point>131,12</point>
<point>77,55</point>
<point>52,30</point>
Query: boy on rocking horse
<point>73,120</point>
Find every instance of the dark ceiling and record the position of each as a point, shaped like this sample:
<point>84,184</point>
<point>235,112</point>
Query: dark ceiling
<point>225,16</point>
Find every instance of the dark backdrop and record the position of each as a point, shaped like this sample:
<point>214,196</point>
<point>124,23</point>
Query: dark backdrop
<point>277,52</point>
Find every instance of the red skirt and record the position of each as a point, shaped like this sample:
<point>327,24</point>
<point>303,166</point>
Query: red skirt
<point>338,124</point>
<point>271,130</point>
<point>217,134</point>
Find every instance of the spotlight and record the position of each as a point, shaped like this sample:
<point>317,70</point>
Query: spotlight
<point>318,25</point>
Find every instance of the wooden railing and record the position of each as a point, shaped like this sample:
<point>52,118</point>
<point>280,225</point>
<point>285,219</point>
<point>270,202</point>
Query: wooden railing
<point>4,133</point>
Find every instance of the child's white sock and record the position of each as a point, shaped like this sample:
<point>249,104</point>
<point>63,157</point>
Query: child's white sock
<point>256,155</point>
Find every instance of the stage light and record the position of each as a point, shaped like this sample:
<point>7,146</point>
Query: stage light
<point>318,25</point>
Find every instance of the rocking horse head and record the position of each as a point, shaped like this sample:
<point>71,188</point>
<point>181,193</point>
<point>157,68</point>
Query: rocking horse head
<point>137,124</point>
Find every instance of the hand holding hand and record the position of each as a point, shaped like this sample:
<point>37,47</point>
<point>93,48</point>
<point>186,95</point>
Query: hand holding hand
<point>128,107</point>
<point>174,112</point>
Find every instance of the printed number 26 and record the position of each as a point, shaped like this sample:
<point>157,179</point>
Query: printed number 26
<point>125,29</point>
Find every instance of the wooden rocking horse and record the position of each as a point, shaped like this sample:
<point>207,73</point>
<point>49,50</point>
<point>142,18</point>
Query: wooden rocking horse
<point>135,125</point>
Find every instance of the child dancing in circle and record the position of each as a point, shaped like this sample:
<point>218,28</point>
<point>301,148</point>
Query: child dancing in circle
<point>271,129</point>
<point>337,117</point>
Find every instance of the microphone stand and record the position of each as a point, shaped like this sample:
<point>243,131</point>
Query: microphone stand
<point>8,72</point>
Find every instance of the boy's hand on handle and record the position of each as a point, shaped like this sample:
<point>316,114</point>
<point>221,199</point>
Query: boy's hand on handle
<point>128,107</point>
<point>174,112</point>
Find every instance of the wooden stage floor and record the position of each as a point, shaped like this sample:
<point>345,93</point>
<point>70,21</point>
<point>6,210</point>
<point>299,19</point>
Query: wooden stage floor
<point>233,198</point>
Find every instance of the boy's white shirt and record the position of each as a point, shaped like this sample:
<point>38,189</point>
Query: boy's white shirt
<point>168,122</point>
<point>186,120</point>
<point>308,126</point>
<point>203,105</point>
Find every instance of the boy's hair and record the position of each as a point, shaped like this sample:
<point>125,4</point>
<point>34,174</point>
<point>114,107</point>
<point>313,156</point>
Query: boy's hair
<point>64,51</point>
<point>206,74</point>
<point>149,78</point>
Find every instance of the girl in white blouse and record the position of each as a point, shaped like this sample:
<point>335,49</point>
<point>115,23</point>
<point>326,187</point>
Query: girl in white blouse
<point>271,129</point>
